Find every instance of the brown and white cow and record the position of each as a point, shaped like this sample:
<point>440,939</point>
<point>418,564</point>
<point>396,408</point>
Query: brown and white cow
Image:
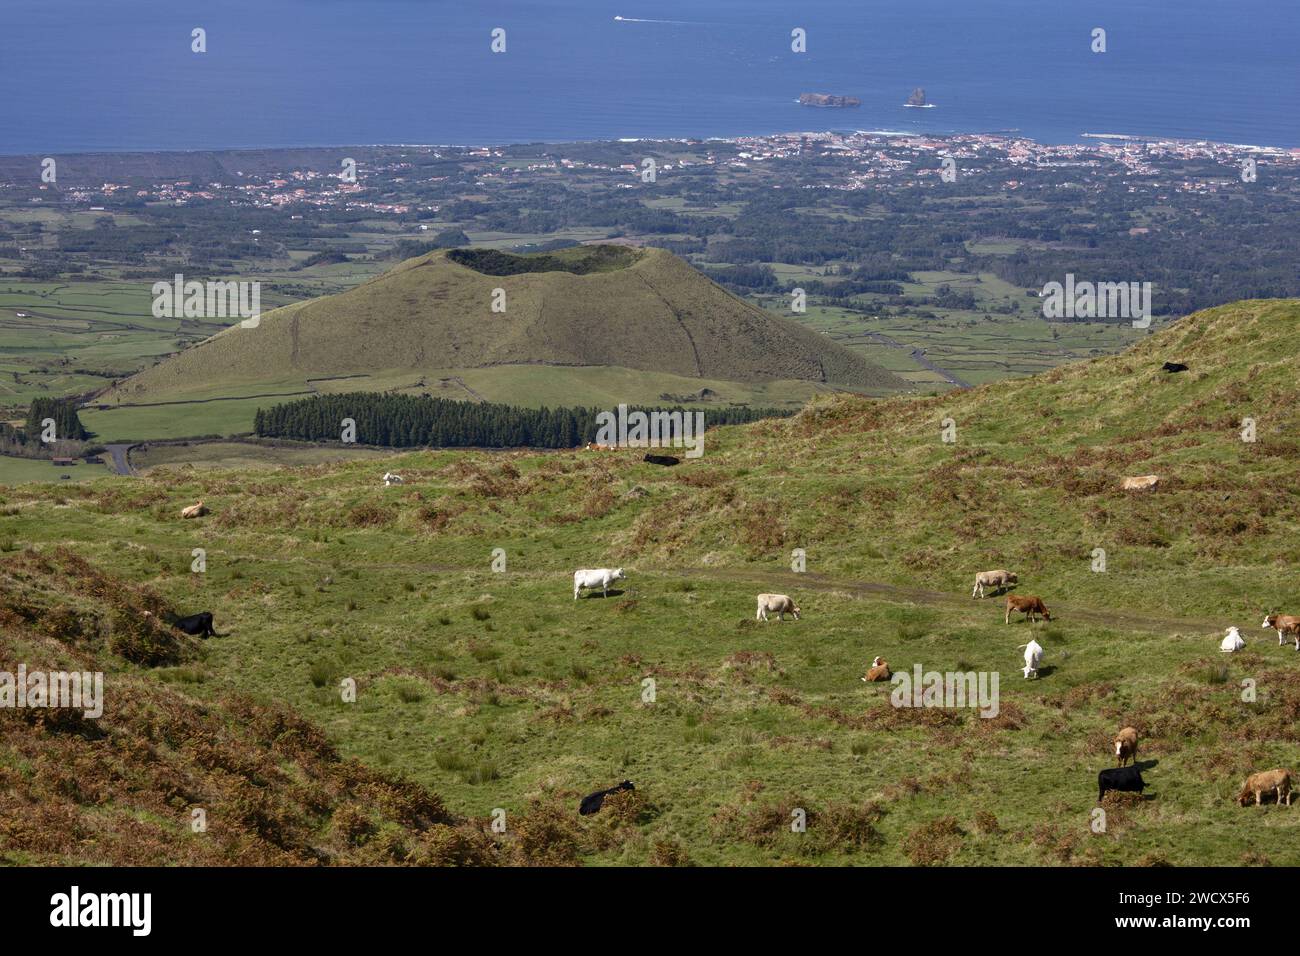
<point>1284,624</point>
<point>1030,605</point>
<point>879,671</point>
<point>1126,745</point>
<point>1141,483</point>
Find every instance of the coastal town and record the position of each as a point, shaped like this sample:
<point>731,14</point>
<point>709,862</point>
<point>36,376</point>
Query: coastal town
<point>846,160</point>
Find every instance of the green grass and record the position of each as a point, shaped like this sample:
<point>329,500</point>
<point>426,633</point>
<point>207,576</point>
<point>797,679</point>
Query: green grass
<point>18,470</point>
<point>495,688</point>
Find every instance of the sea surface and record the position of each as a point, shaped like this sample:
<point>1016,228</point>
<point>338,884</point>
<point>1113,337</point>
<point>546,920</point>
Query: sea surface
<point>78,75</point>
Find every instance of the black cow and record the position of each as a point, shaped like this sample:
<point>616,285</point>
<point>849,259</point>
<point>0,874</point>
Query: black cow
<point>199,625</point>
<point>592,802</point>
<point>1124,779</point>
<point>662,460</point>
<point>1174,367</point>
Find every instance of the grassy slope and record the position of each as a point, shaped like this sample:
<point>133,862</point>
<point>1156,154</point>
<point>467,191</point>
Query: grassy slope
<point>496,689</point>
<point>657,314</point>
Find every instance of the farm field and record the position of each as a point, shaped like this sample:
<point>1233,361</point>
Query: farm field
<point>498,690</point>
<point>15,471</point>
<point>220,455</point>
<point>973,345</point>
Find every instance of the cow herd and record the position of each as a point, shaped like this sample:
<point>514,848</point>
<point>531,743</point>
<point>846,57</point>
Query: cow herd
<point>1122,778</point>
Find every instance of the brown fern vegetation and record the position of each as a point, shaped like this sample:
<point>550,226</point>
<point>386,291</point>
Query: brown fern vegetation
<point>122,789</point>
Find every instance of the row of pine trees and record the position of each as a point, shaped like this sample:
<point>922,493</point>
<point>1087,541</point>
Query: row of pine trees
<point>406,421</point>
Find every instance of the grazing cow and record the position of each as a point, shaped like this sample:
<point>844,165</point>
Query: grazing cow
<point>1174,367</point>
<point>1126,745</point>
<point>1123,779</point>
<point>1033,655</point>
<point>392,479</point>
<point>879,671</point>
<point>997,580</point>
<point>1284,624</point>
<point>592,802</point>
<point>1141,483</point>
<point>668,460</point>
<point>1030,604</point>
<point>1267,781</point>
<point>196,625</point>
<point>194,511</point>
<point>1232,642</point>
<point>596,578</point>
<point>778,604</point>
<point>597,446</point>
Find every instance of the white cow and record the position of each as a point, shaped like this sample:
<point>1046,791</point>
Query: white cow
<point>1033,654</point>
<point>392,479</point>
<point>778,604</point>
<point>1232,642</point>
<point>998,580</point>
<point>596,578</point>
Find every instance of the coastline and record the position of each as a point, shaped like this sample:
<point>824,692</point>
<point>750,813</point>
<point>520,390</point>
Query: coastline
<point>1083,139</point>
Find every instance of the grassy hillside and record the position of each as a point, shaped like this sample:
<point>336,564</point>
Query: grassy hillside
<point>497,690</point>
<point>638,309</point>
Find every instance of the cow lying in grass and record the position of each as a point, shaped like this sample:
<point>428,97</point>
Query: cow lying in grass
<point>1284,624</point>
<point>879,671</point>
<point>997,580</point>
<point>194,511</point>
<point>1267,781</point>
<point>1141,483</point>
<point>1030,605</point>
<point>778,604</point>
<point>592,802</point>
<point>1232,641</point>
<point>596,578</point>
<point>392,479</point>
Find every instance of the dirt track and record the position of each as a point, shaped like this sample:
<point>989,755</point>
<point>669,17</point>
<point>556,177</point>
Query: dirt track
<point>793,581</point>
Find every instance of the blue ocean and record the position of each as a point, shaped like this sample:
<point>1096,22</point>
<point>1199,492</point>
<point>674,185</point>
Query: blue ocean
<point>93,75</point>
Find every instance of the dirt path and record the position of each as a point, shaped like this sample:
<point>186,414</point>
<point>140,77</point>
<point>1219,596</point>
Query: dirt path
<point>791,582</point>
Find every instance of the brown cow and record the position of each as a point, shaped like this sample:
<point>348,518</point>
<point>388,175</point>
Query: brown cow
<point>1266,782</point>
<point>1126,745</point>
<point>1031,605</point>
<point>879,671</point>
<point>1284,624</point>
<point>1141,483</point>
